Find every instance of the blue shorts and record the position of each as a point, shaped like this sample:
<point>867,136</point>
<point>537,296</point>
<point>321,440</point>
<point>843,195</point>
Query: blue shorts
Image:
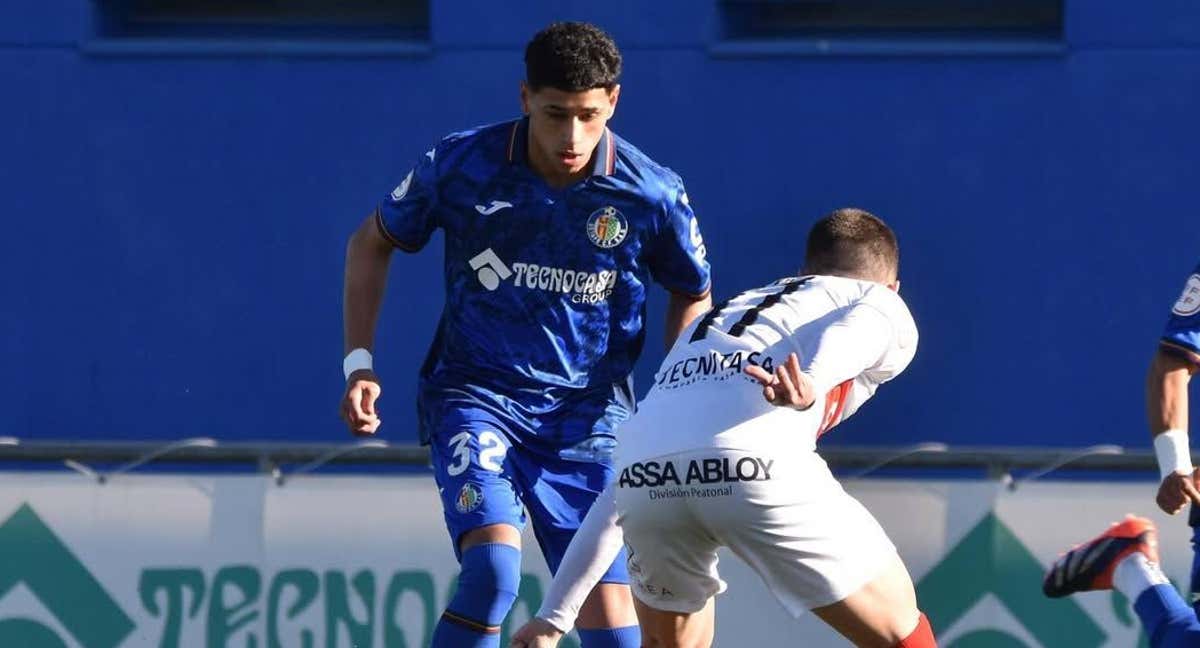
<point>484,478</point>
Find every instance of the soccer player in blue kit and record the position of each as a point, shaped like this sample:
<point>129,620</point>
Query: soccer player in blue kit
<point>1125,557</point>
<point>554,228</point>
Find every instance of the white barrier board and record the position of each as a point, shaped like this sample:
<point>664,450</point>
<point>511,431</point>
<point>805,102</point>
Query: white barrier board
<point>208,561</point>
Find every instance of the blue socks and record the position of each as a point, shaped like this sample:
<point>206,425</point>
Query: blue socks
<point>487,587</point>
<point>1169,622</point>
<point>627,637</point>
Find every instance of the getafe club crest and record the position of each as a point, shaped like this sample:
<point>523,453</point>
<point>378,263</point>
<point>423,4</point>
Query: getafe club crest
<point>606,227</point>
<point>469,498</point>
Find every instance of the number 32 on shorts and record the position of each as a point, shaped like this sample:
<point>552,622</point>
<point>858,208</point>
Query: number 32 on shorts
<point>491,452</point>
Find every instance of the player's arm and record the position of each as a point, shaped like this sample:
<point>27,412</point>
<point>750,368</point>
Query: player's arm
<point>681,310</point>
<point>677,261</point>
<point>594,547</point>
<point>368,255</point>
<point>1167,414</point>
<point>404,220</point>
<point>849,346</point>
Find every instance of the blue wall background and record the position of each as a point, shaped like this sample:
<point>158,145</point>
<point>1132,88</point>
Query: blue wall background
<point>175,217</point>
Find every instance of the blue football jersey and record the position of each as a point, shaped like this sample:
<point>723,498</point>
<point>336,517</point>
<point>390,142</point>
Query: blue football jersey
<point>1182,334</point>
<point>545,288</point>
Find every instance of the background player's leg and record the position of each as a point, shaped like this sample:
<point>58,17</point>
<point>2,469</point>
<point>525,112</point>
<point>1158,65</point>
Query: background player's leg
<point>1168,621</point>
<point>558,495</point>
<point>1125,558</point>
<point>606,617</point>
<point>664,629</point>
<point>881,614</point>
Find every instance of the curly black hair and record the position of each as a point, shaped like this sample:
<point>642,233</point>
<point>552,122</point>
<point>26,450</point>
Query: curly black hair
<point>572,57</point>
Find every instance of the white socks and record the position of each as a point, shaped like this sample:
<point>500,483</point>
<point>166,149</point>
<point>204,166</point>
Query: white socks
<point>1136,574</point>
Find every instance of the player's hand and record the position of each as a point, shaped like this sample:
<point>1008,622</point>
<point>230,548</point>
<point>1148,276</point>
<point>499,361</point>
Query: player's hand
<point>1177,491</point>
<point>538,633</point>
<point>788,386</point>
<point>358,403</point>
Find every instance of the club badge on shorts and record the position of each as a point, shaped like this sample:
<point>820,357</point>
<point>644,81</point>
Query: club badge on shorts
<point>606,227</point>
<point>469,498</point>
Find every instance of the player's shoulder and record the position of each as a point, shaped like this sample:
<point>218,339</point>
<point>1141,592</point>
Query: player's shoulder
<point>486,142</point>
<point>878,297</point>
<point>884,297</point>
<point>496,132</point>
<point>656,181</point>
<point>892,305</point>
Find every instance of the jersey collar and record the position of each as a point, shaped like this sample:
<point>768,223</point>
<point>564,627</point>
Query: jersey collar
<point>604,162</point>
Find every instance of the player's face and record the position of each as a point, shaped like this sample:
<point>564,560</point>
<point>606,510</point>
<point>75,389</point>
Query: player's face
<point>564,129</point>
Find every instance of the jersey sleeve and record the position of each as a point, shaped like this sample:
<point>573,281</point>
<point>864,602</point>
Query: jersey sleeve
<point>1182,333</point>
<point>406,217</point>
<point>873,342</point>
<point>677,259</point>
<point>903,340</point>
<point>853,344</point>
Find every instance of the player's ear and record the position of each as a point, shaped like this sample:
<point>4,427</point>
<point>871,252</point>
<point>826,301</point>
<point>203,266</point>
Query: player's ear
<point>613,95</point>
<point>894,286</point>
<point>524,98</point>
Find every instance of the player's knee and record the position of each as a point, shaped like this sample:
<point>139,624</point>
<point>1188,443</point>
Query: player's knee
<point>651,639</point>
<point>487,585</point>
<point>609,605</point>
<point>668,633</point>
<point>607,619</point>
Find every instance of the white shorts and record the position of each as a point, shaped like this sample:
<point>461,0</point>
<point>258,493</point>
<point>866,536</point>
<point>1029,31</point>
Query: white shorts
<point>787,517</point>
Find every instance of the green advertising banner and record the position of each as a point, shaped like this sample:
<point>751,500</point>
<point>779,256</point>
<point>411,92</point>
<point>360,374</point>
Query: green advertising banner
<point>214,561</point>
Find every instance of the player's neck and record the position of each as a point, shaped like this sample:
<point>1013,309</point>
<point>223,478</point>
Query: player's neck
<point>546,169</point>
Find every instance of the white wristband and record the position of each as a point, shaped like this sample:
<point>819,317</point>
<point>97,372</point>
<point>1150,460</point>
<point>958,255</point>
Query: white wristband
<point>356,360</point>
<point>1174,455</point>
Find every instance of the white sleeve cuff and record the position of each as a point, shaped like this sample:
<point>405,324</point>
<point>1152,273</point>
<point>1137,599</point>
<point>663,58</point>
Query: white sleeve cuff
<point>594,547</point>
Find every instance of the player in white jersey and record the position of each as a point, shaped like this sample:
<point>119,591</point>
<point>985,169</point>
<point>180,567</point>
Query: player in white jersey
<point>721,453</point>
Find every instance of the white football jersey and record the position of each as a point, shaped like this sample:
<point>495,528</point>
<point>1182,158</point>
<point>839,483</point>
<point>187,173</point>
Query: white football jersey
<point>851,336</point>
